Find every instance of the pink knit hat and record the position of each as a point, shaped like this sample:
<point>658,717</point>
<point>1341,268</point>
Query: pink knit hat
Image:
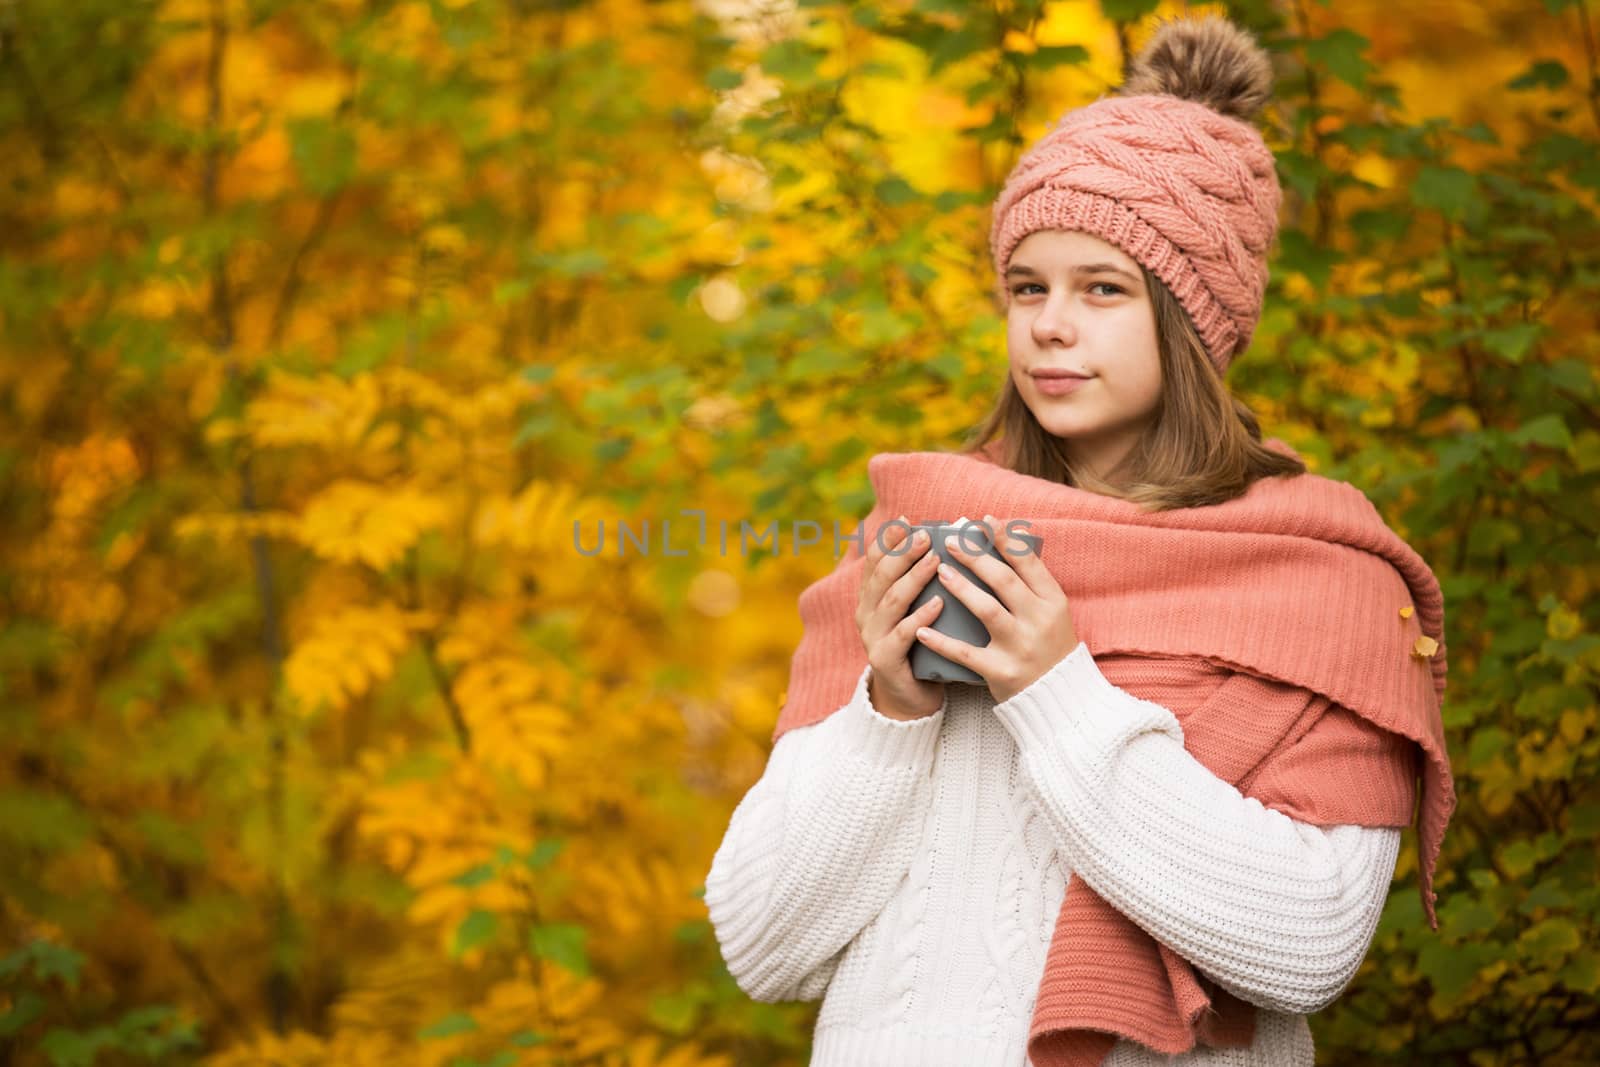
<point>1172,172</point>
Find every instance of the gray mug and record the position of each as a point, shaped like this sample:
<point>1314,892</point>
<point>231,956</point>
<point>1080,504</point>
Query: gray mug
<point>955,618</point>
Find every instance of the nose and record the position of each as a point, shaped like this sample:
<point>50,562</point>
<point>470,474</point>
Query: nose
<point>1055,320</point>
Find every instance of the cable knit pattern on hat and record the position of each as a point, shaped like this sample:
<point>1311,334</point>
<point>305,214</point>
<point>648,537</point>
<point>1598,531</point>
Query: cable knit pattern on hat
<point>1189,193</point>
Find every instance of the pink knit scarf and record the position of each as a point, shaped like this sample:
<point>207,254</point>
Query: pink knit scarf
<point>1287,630</point>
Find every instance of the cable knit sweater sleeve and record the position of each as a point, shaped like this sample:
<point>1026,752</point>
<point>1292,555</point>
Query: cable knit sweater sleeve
<point>816,847</point>
<point>1278,912</point>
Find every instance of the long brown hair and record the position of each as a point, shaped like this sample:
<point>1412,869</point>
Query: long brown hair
<point>1204,446</point>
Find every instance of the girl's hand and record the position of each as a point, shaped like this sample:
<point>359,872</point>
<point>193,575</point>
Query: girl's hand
<point>889,582</point>
<point>1030,626</point>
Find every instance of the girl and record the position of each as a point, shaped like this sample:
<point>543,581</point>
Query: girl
<point>1171,849</point>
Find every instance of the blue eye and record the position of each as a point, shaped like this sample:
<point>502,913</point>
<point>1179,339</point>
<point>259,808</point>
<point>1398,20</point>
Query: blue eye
<point>1108,285</point>
<point>1025,285</point>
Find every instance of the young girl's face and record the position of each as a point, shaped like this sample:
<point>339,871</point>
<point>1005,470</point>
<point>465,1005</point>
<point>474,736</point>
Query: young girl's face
<point>1079,304</point>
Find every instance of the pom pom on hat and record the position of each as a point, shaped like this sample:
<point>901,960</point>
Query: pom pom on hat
<point>1172,172</point>
<point>1208,60</point>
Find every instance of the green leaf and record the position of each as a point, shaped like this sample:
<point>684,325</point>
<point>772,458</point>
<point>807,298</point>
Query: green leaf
<point>1574,376</point>
<point>896,191</point>
<point>576,263</point>
<point>957,45</point>
<point>1341,53</point>
<point>135,511</point>
<point>26,1006</point>
<point>1127,10</point>
<point>612,449</point>
<point>171,839</point>
<point>40,820</point>
<point>1556,150</point>
<point>1464,917</point>
<point>675,1012</point>
<point>510,291</point>
<point>1450,969</point>
<point>1549,430</point>
<point>947,366</point>
<point>69,1049</point>
<point>1543,74</point>
<point>1573,649</point>
<point>951,199</point>
<point>478,927</point>
<point>1519,234</point>
<point>1381,224</point>
<point>1584,821</point>
<point>1511,343</point>
<point>722,78</point>
<point>1299,253</point>
<point>1585,451</point>
<point>1518,858</point>
<point>500,1059</point>
<point>528,1038</point>
<point>1448,190</point>
<point>1551,941</point>
<point>539,426</point>
<point>1544,895</point>
<point>791,60</point>
<point>882,326</point>
<point>457,1022</point>
<point>821,359</point>
<point>562,944</point>
<point>544,852</point>
<point>866,15</point>
<point>48,960</point>
<point>476,876</point>
<point>1050,56</point>
<point>1582,974</point>
<point>324,153</point>
<point>1486,745</point>
<point>999,127</point>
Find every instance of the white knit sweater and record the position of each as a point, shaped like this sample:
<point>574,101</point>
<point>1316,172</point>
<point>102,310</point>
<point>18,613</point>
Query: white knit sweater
<point>913,872</point>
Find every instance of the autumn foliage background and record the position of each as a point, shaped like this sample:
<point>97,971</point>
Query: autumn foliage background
<point>322,324</point>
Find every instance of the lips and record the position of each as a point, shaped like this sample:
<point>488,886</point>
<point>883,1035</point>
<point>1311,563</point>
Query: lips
<point>1057,372</point>
<point>1058,382</point>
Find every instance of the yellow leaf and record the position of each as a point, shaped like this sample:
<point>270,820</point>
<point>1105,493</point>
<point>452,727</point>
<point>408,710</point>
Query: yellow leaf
<point>312,95</point>
<point>1017,41</point>
<point>1575,724</point>
<point>344,656</point>
<point>1373,167</point>
<point>351,521</point>
<point>1563,623</point>
<point>325,410</point>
